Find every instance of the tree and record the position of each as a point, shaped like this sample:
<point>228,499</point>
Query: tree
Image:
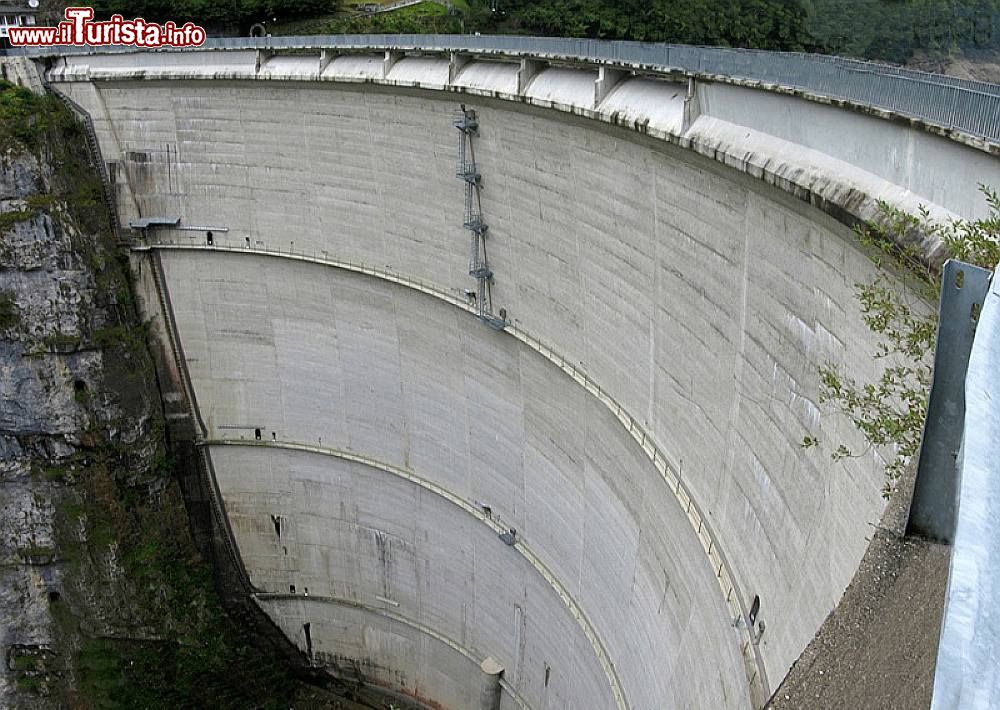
<point>890,410</point>
<point>213,13</point>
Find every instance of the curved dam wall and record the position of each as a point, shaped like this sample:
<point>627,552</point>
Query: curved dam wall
<point>670,292</point>
<point>458,414</point>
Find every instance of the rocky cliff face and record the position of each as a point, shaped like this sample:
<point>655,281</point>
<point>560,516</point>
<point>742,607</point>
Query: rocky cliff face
<point>78,413</point>
<point>105,600</point>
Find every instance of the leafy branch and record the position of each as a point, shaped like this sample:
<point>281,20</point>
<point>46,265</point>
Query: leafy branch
<point>890,410</point>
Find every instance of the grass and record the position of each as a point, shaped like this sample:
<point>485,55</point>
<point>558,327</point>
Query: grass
<point>70,510</point>
<point>110,336</point>
<point>29,684</point>
<point>101,673</point>
<point>431,16</point>
<point>41,201</point>
<point>205,664</point>
<point>9,219</point>
<point>26,662</point>
<point>423,9</point>
<point>56,474</point>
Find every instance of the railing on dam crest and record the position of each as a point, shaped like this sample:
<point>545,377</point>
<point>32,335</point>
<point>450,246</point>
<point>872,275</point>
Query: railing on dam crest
<point>963,105</point>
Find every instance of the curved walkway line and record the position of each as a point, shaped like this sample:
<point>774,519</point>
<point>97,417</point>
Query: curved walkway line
<point>754,663</point>
<point>260,597</point>
<point>474,511</point>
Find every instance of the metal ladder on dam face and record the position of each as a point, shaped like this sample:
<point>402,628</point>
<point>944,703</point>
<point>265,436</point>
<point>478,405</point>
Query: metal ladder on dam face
<point>468,172</point>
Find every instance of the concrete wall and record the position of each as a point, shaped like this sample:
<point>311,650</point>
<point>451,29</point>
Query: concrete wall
<point>841,158</point>
<point>23,72</point>
<point>700,299</point>
<point>346,363</point>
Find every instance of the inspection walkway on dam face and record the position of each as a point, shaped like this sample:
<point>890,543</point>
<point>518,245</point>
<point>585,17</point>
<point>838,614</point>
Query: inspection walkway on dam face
<point>699,299</point>
<point>480,514</point>
<point>302,601</point>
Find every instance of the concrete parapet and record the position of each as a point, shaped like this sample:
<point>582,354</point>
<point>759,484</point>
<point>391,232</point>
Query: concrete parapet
<point>840,160</point>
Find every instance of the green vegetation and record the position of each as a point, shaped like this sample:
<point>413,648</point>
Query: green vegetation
<point>875,29</point>
<point>29,683</point>
<point>9,219</point>
<point>81,395</point>
<point>769,24</point>
<point>37,552</point>
<point>425,17</point>
<point>890,410</point>
<point>56,474</point>
<point>978,241</point>
<point>26,662</point>
<point>195,656</point>
<point>44,201</point>
<point>10,315</point>
<point>208,13</point>
<point>893,30</point>
<point>62,342</point>
<point>112,335</point>
<point>41,125</point>
<point>20,121</point>
<point>201,662</point>
<point>120,527</point>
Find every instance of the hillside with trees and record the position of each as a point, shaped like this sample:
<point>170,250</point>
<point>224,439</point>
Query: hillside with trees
<point>931,32</point>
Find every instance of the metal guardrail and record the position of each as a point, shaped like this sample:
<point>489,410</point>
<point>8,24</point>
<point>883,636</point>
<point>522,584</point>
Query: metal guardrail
<point>966,673</point>
<point>935,493</point>
<point>963,105</point>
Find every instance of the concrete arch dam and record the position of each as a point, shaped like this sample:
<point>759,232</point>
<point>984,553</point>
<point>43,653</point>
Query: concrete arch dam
<point>673,260</point>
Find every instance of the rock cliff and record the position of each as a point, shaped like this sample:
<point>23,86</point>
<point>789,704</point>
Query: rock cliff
<point>104,599</point>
